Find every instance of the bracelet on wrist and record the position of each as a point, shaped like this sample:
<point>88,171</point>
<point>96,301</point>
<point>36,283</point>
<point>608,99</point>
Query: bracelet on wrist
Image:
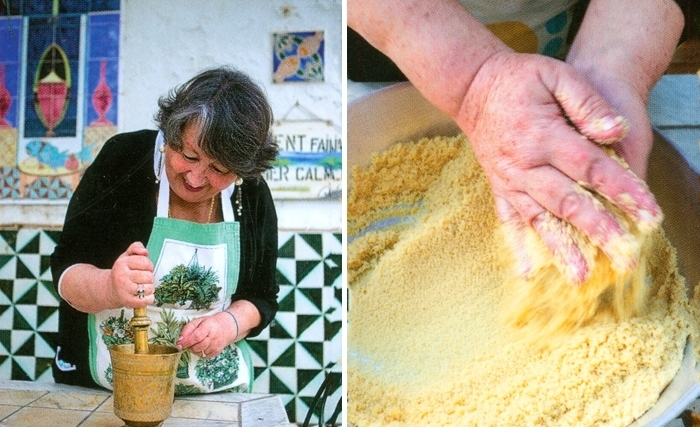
<point>233,316</point>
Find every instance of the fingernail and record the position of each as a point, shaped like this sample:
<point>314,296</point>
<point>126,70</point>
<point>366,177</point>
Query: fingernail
<point>643,209</point>
<point>568,258</point>
<point>648,221</point>
<point>607,124</point>
<point>623,252</point>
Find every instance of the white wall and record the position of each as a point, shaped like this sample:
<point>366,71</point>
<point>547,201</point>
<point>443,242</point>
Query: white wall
<point>164,43</point>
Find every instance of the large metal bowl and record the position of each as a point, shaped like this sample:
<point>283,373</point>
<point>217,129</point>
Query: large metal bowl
<point>399,113</point>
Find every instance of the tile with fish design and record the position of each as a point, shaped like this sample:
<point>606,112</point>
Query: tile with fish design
<point>298,56</point>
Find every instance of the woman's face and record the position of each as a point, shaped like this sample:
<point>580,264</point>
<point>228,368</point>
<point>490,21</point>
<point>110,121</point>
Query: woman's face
<point>194,176</point>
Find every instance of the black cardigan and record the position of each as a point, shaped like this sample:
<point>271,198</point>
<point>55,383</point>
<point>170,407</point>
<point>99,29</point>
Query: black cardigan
<point>114,206</point>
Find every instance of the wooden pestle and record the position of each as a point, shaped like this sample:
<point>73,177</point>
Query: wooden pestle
<point>139,324</point>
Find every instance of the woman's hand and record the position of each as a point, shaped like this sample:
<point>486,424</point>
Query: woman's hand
<point>537,127</point>
<point>207,336</point>
<point>536,123</point>
<point>133,270</point>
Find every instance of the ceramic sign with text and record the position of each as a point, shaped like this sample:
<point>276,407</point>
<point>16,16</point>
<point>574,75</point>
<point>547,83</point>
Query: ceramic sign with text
<point>309,165</point>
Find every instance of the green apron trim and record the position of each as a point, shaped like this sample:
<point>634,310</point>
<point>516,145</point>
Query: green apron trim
<point>92,336</point>
<point>245,350</point>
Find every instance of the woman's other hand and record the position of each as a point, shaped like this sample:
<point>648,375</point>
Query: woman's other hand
<point>207,336</point>
<point>133,270</point>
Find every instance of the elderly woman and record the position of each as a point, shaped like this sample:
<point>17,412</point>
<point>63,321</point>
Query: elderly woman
<point>193,191</point>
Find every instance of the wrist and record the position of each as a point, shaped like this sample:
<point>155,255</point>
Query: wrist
<point>109,289</point>
<point>630,39</point>
<point>439,46</point>
<point>477,92</point>
<point>612,72</point>
<point>236,327</point>
<point>88,289</point>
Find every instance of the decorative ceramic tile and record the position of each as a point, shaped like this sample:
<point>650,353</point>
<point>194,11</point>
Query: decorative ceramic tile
<point>305,339</point>
<point>9,180</point>
<point>38,7</point>
<point>58,56</point>
<point>310,162</point>
<point>28,304</point>
<point>10,39</point>
<point>47,188</point>
<point>53,53</point>
<point>103,69</point>
<point>298,56</point>
<point>291,358</point>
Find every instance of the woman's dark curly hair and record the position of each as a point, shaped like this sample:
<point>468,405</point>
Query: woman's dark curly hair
<point>233,117</point>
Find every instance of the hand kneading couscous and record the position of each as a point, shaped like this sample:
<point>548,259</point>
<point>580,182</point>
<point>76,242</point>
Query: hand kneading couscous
<point>432,340</point>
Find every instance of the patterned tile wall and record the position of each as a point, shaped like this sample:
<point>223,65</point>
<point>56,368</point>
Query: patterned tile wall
<point>291,357</point>
<point>59,93</point>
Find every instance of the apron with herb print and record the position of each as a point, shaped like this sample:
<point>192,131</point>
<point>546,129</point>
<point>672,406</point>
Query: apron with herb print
<point>195,272</point>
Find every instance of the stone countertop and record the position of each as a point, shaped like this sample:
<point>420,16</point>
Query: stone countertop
<point>29,404</point>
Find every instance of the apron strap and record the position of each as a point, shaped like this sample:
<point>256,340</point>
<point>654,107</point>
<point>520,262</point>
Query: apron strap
<point>226,207</point>
<point>164,189</point>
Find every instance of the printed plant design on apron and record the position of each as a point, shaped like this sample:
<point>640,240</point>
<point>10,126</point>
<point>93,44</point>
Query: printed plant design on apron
<point>195,272</point>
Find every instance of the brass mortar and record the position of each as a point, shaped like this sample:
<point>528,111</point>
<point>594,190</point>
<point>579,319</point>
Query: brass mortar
<point>143,377</point>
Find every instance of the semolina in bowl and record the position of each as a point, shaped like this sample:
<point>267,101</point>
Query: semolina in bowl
<point>427,344</point>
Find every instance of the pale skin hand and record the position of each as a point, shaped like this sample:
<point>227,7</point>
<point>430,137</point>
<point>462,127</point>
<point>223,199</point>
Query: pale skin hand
<point>534,158</point>
<point>624,65</point>
<point>111,288</point>
<point>515,108</point>
<point>209,335</point>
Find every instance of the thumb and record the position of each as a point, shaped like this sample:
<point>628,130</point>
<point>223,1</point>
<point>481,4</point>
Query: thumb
<point>185,339</point>
<point>588,111</point>
<point>136,248</point>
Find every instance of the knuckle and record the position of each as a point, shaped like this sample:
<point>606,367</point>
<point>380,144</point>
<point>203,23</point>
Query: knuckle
<point>588,107</point>
<point>570,206</point>
<point>200,334</point>
<point>527,208</point>
<point>536,219</point>
<point>592,105</point>
<point>596,171</point>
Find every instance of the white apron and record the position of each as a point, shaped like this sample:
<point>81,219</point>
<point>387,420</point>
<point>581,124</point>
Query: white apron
<point>196,270</point>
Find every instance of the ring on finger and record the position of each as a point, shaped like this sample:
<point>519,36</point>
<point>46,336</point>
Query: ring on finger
<point>139,291</point>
